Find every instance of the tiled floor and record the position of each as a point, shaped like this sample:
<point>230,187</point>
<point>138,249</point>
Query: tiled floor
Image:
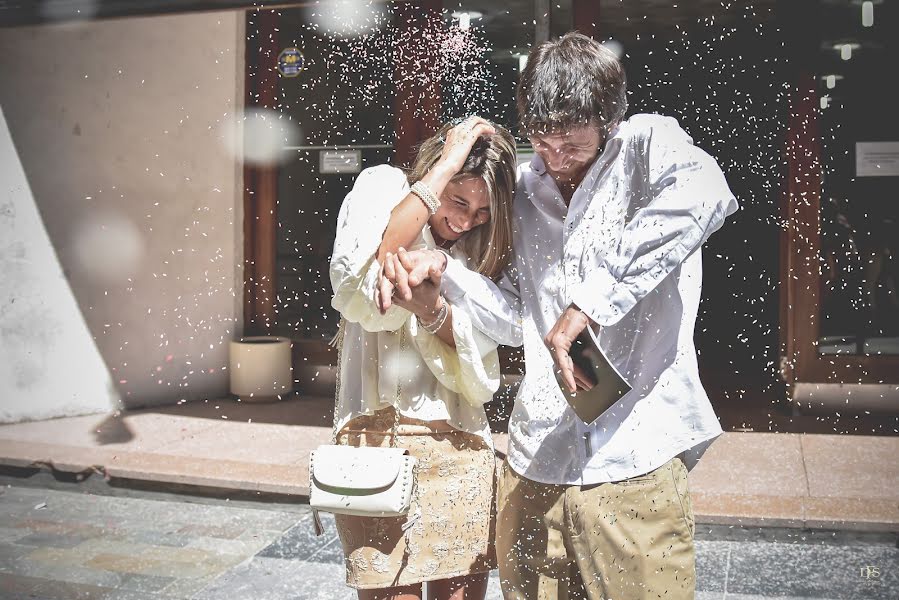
<point>68,541</point>
<point>773,479</point>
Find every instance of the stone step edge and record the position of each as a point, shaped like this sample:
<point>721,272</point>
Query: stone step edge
<point>292,480</point>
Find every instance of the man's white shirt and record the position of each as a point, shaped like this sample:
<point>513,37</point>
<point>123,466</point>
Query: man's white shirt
<point>626,252</point>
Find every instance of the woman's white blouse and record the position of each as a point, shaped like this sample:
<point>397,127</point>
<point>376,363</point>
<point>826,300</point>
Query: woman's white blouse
<point>388,360</point>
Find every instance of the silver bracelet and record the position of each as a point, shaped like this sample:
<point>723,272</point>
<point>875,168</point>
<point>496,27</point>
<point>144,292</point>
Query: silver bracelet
<point>427,195</point>
<point>438,322</point>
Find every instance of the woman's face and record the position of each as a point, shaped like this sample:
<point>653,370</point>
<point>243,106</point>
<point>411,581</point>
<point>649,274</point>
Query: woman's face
<point>464,204</point>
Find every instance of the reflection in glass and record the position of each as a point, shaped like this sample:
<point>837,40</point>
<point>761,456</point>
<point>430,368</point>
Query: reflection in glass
<point>859,267</point>
<point>345,98</point>
<point>859,274</point>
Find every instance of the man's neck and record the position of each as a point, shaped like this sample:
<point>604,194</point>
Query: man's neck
<point>569,185</point>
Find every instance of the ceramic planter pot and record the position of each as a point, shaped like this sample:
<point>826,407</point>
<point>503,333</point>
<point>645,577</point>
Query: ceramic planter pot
<point>260,368</point>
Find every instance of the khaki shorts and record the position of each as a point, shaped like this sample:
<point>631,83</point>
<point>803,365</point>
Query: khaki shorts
<point>627,540</point>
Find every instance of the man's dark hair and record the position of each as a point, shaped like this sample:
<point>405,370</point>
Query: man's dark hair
<point>571,81</point>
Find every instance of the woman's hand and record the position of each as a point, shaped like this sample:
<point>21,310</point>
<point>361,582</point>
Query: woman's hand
<point>423,300</point>
<point>403,272</point>
<point>460,140</point>
<point>409,217</point>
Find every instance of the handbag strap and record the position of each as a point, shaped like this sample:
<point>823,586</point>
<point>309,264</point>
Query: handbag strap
<point>337,343</point>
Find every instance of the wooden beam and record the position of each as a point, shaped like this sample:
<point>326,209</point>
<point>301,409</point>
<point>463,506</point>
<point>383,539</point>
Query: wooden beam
<point>543,16</point>
<point>260,183</point>
<point>801,234</point>
<point>585,17</point>
<point>417,107</point>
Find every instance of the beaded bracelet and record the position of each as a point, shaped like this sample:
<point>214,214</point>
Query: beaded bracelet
<point>427,195</point>
<point>435,325</point>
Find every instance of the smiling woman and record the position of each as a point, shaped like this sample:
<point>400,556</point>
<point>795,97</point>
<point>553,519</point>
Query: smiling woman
<point>475,182</point>
<point>413,372</point>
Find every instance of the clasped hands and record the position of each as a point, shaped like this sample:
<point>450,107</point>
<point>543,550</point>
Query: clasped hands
<point>411,279</point>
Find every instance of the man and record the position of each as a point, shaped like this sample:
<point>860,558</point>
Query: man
<point>609,219</point>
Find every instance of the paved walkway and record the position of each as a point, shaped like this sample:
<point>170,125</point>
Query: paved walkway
<point>72,542</point>
<point>756,479</point>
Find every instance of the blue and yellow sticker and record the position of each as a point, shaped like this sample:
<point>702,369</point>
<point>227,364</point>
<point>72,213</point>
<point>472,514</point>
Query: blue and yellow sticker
<point>290,62</point>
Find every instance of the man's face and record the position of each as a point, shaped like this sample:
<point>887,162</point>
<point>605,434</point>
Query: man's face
<point>568,153</point>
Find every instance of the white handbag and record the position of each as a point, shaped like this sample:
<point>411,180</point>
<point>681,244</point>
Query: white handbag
<point>362,481</point>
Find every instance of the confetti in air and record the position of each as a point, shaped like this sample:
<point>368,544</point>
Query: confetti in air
<point>433,55</point>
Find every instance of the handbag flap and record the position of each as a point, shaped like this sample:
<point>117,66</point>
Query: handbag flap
<point>365,468</point>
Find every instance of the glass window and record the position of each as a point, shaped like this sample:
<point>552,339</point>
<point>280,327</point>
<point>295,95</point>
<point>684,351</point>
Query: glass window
<point>344,101</point>
<point>859,310</point>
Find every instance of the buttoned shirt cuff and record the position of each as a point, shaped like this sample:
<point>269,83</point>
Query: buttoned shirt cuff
<point>354,298</point>
<point>603,298</point>
<point>453,283</point>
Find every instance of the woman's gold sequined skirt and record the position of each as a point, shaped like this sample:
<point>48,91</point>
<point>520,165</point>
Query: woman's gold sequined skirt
<point>449,530</point>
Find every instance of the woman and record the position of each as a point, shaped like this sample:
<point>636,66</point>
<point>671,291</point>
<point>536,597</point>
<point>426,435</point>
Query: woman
<point>423,359</point>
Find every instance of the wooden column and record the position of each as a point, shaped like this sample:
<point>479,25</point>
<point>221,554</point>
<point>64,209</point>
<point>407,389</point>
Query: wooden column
<point>585,17</point>
<point>416,107</point>
<point>800,236</point>
<point>260,183</point>
<point>543,16</point>
<point>801,201</point>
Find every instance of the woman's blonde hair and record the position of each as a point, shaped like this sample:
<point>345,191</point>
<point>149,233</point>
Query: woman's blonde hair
<point>493,160</point>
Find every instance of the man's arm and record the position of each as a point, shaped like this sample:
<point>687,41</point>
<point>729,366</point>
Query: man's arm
<point>689,200</point>
<point>494,308</point>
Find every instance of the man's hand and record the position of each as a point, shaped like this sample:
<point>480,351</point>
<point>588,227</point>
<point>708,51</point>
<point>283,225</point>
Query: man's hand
<point>559,340</point>
<point>424,299</point>
<point>404,271</point>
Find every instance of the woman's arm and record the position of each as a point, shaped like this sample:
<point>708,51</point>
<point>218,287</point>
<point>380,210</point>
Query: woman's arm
<point>425,303</point>
<point>493,307</point>
<point>354,271</point>
<point>461,358</point>
<point>411,214</point>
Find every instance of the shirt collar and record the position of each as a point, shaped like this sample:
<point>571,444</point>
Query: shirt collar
<point>608,154</point>
<point>537,166</point>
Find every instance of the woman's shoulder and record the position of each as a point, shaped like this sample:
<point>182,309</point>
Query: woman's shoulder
<point>376,191</point>
<point>382,175</point>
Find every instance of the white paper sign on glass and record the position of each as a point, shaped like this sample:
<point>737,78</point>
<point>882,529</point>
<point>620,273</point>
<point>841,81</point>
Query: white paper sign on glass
<point>340,161</point>
<point>876,159</point>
